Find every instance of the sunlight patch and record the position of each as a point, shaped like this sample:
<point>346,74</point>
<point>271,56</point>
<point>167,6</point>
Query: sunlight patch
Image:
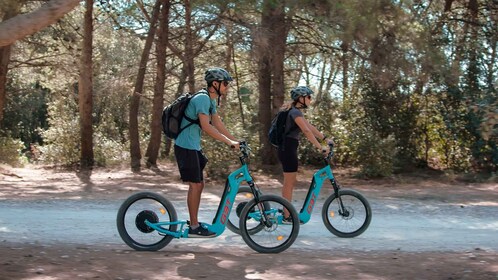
<point>188,256</point>
<point>483,203</point>
<point>493,226</point>
<point>227,264</point>
<point>4,229</point>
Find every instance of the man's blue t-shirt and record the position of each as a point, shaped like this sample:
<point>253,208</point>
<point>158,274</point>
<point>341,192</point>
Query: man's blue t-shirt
<point>190,138</point>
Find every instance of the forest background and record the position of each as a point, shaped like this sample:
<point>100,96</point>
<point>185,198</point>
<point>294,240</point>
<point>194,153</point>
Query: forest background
<point>398,84</point>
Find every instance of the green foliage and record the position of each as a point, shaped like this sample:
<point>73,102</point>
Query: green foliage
<point>482,122</point>
<point>375,154</point>
<point>11,151</point>
<point>222,159</point>
<point>62,138</point>
<point>358,144</point>
<point>412,87</point>
<point>109,152</point>
<point>26,112</point>
<point>391,116</point>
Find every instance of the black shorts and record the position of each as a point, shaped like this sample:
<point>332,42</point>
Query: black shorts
<point>288,155</point>
<point>191,163</point>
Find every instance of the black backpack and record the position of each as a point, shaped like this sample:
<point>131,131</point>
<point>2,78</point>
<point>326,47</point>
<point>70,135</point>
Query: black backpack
<point>174,113</point>
<point>278,128</point>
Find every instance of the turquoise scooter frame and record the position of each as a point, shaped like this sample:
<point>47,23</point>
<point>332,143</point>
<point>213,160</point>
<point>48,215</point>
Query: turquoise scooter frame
<point>158,221</point>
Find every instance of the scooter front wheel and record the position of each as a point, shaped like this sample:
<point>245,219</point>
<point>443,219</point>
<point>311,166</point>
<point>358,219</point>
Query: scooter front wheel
<point>244,195</point>
<point>347,215</point>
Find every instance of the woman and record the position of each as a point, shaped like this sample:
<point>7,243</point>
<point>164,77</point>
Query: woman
<point>287,153</point>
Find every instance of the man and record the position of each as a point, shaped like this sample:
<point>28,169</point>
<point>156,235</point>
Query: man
<point>188,152</point>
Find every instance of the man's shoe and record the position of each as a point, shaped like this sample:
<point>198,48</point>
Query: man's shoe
<point>200,231</point>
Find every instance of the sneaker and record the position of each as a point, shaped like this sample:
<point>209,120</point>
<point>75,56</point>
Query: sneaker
<point>200,231</point>
<point>288,221</point>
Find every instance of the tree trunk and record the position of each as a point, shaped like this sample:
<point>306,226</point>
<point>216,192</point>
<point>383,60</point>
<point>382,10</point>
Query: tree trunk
<point>135,153</point>
<point>23,25</point>
<point>265,110</point>
<point>189,47</point>
<point>270,45</point>
<point>279,40</point>
<point>180,89</point>
<point>157,106</point>
<point>345,71</point>
<point>10,12</point>
<point>232,58</point>
<point>473,50</point>
<point>85,90</point>
<point>4,68</point>
<point>321,84</point>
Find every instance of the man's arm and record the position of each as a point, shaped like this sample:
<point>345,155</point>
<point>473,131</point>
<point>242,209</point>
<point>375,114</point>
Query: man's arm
<point>220,126</point>
<point>213,131</point>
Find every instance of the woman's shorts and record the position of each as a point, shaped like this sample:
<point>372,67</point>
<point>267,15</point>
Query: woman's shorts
<point>288,155</point>
<point>191,163</point>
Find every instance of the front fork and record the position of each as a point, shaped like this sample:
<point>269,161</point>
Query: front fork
<point>256,193</point>
<point>342,211</point>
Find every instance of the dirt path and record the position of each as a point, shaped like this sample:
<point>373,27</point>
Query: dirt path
<point>91,262</point>
<point>25,259</point>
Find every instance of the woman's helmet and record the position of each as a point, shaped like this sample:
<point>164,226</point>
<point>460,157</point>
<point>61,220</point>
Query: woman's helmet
<point>300,91</point>
<point>217,74</point>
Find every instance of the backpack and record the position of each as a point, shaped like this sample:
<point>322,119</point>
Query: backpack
<point>278,130</point>
<point>173,115</point>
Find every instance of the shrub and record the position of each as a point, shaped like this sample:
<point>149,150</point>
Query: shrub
<point>376,155</point>
<point>11,151</point>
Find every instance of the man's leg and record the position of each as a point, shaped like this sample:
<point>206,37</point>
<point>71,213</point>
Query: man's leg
<point>193,201</point>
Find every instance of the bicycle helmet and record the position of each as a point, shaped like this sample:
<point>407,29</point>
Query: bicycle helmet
<point>217,74</point>
<point>300,91</point>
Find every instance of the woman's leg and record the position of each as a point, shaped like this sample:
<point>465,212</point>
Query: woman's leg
<point>290,179</point>
<point>288,158</point>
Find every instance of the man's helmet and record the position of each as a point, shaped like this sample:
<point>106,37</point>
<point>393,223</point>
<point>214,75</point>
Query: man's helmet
<point>300,91</point>
<point>217,74</point>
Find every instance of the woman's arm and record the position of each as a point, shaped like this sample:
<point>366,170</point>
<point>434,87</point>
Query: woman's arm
<point>306,128</point>
<point>316,132</point>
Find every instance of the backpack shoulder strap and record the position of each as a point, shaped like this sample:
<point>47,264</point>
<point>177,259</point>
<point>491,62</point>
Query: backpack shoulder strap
<point>189,119</point>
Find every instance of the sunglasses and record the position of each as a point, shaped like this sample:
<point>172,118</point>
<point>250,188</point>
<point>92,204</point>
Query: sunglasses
<point>225,83</point>
<point>308,96</point>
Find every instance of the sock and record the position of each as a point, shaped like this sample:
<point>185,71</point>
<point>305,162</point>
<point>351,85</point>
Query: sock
<point>194,227</point>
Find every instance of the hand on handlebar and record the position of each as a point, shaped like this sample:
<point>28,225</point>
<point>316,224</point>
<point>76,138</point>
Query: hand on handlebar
<point>325,150</point>
<point>235,145</point>
<point>330,142</point>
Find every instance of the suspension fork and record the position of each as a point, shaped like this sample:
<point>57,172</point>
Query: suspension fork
<point>336,186</point>
<point>254,189</point>
<point>261,207</point>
